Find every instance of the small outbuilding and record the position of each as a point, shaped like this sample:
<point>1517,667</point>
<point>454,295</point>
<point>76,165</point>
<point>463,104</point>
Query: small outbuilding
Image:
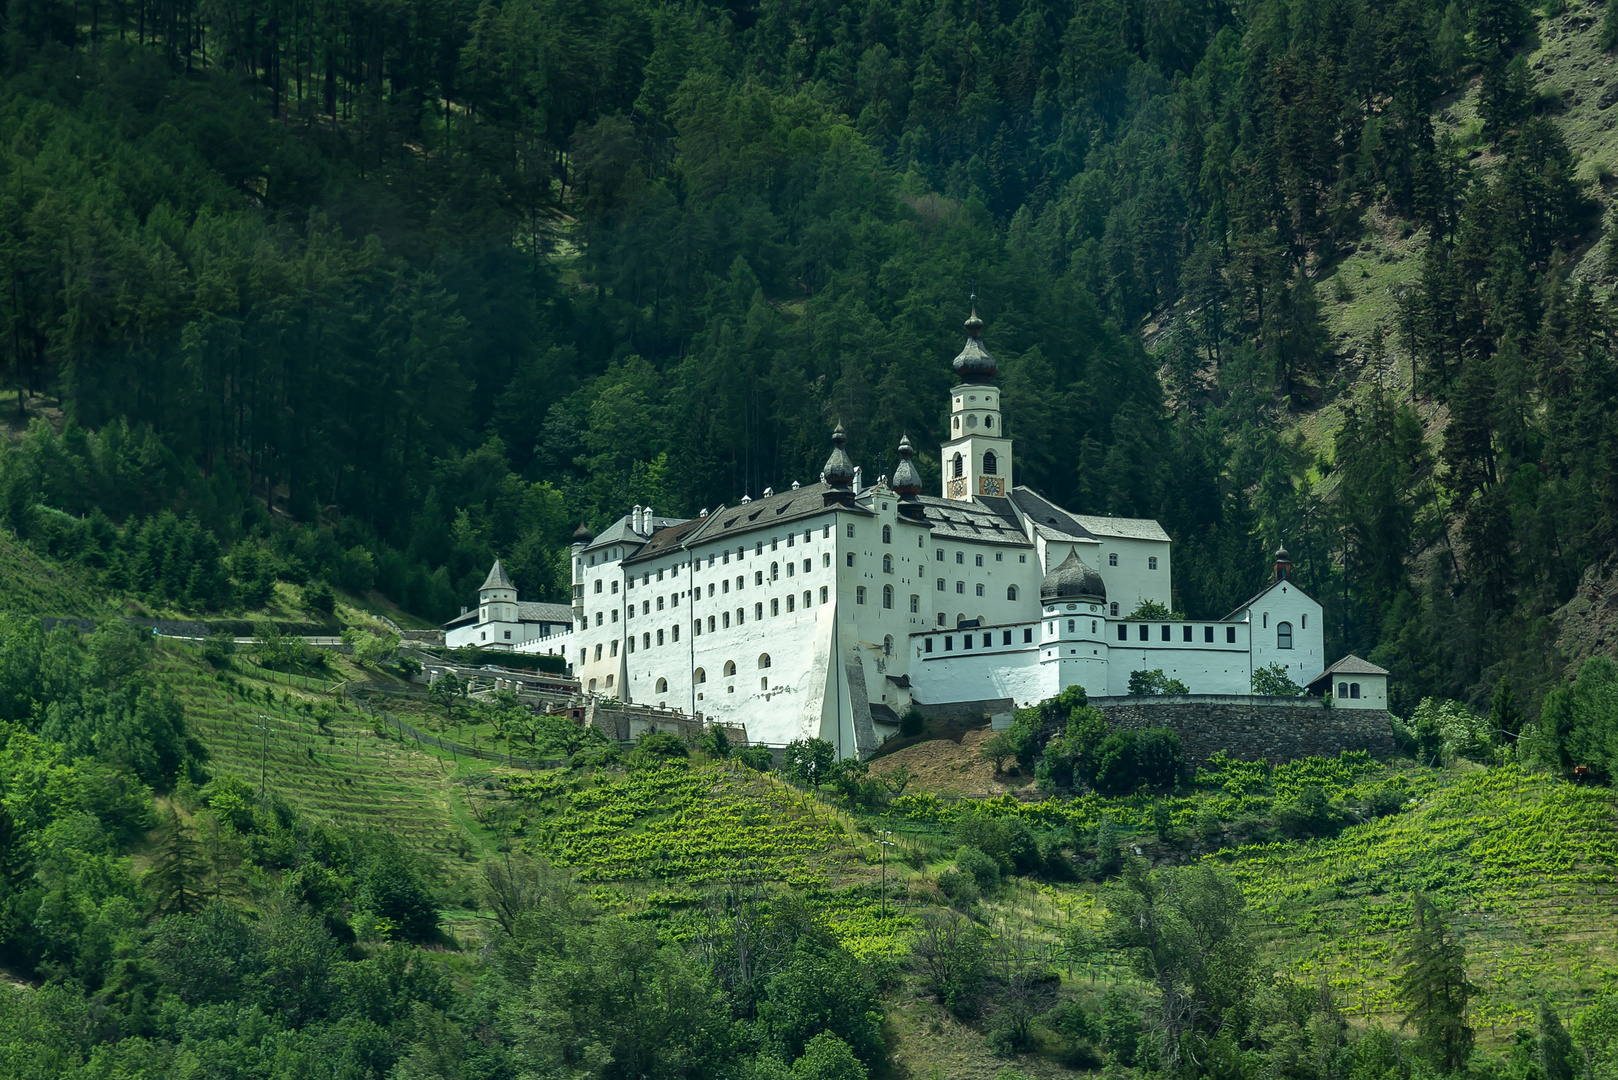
<point>1353,683</point>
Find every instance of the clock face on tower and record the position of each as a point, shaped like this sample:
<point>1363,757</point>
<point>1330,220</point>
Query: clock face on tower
<point>991,485</point>
<point>957,489</point>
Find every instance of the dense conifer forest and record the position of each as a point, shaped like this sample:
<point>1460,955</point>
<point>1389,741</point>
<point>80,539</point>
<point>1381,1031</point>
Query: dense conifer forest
<point>312,308</point>
<point>384,292</point>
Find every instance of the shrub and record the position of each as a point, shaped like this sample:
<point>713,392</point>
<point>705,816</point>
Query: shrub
<point>912,722</point>
<point>1309,813</point>
<point>218,650</point>
<point>1274,680</point>
<point>318,598</point>
<point>1152,682</point>
<point>756,757</point>
<point>961,889</point>
<point>984,870</point>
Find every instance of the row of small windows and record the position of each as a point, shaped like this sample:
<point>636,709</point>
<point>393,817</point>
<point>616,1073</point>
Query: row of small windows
<point>1151,560</point>
<point>1187,633</point>
<point>1348,689</point>
<point>960,557</point>
<point>969,641</point>
<point>978,589</point>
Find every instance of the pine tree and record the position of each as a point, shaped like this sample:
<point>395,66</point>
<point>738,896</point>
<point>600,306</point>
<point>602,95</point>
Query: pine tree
<point>1433,987</point>
<point>175,880</point>
<point>1558,1060</point>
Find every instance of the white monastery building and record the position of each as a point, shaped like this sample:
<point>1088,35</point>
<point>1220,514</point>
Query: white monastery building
<point>827,610</point>
<point>505,624</point>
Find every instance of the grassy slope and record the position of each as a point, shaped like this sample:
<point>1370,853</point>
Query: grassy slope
<point>31,585</point>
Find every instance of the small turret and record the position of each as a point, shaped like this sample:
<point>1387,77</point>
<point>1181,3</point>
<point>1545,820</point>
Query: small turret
<point>906,478</point>
<point>839,470</point>
<point>1283,565</point>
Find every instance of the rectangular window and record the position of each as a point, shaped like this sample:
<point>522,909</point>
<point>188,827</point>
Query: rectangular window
<point>805,600</point>
<point>960,587</point>
<point>1145,632</point>
<point>929,648</point>
<point>724,586</point>
<point>598,652</point>
<point>966,641</point>
<point>1123,632</point>
<point>851,532</point>
<point>915,604</point>
<point>758,611</point>
<point>949,644</point>
<point>676,631</point>
<point>741,579</point>
<point>674,600</point>
<point>823,594</point>
<point>1230,635</point>
<point>631,642</point>
<point>775,543</point>
<point>791,602</point>
<point>979,559</point>
<point>859,595</point>
<point>660,603</point>
<point>727,620</point>
<point>940,554</point>
<point>1151,562</point>
<point>660,637</point>
<point>696,628</point>
<point>1185,634</point>
<point>1006,637</point>
<point>1028,635</point>
<point>851,558</point>
<point>614,614</point>
<point>660,573</point>
<point>792,568</point>
<point>980,588</point>
<point>758,548</point>
<point>1022,558</point>
<point>758,577</point>
<point>825,533</point>
<point>790,538</point>
<point>1207,634</point>
<point>960,558</point>
<point>825,558</point>
<point>940,584</point>
<point>999,557</point>
<point>1166,634</point>
<point>615,647</point>
<point>775,607</point>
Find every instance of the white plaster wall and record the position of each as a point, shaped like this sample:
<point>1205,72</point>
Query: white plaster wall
<point>1132,581</point>
<point>1219,667</point>
<point>978,674</point>
<point>1003,566</point>
<point>1285,602</point>
<point>1373,692</point>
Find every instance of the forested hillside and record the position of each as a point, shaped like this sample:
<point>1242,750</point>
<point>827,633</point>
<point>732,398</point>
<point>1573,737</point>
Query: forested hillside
<point>372,293</point>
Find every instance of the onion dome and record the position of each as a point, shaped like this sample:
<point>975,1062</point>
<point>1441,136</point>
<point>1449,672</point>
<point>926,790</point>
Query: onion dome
<point>1283,564</point>
<point>974,364</point>
<point>906,480</point>
<point>583,535</point>
<point>1073,580</point>
<point>839,470</point>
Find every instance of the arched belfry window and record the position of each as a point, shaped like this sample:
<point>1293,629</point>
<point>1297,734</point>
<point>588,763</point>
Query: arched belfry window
<point>1283,635</point>
<point>990,465</point>
<point>958,467</point>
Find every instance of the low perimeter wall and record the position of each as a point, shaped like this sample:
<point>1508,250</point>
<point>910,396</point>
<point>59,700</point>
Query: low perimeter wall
<point>1276,729</point>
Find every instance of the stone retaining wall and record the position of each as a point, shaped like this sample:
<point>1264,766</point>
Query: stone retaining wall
<point>1276,729</point>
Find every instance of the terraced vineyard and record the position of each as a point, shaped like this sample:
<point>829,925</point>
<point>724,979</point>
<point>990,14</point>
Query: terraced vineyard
<point>677,830</point>
<point>347,775</point>
<point>1525,863</point>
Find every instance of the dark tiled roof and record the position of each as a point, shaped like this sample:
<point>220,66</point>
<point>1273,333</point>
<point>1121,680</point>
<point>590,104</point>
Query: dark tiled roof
<point>666,540</point>
<point>1084,526</point>
<point>463,617</point>
<point>619,532</point>
<point>551,613</point>
<point>783,506</point>
<point>497,578</point>
<point>983,521</point>
<point>1350,665</point>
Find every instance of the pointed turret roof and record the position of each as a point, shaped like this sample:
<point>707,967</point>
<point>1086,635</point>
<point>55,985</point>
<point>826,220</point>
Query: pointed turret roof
<point>497,578</point>
<point>906,479</point>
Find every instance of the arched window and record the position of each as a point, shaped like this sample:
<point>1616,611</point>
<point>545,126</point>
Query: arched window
<point>1266,620</point>
<point>758,611</point>
<point>1151,562</point>
<point>887,596</point>
<point>887,534</point>
<point>711,624</point>
<point>1112,558</point>
<point>660,637</point>
<point>990,465</point>
<point>1113,610</point>
<point>1353,689</point>
<point>699,676</point>
<point>730,667</point>
<point>1011,592</point>
<point>763,661</point>
<point>887,645</point>
<point>592,686</point>
<point>887,564</point>
<point>647,644</point>
<point>988,421</point>
<point>1283,635</point>
<point>859,594</point>
<point>958,467</point>
<point>598,584</point>
<point>915,604</point>
<point>775,571</point>
<point>662,686</point>
<point>609,682</point>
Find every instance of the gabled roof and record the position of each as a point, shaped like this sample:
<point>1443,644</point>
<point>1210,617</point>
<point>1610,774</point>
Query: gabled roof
<point>497,578</point>
<point>529,611</point>
<point>1262,592</point>
<point>1083,526</point>
<point>1350,665</point>
<point>664,541</point>
<point>777,509</point>
<point>619,532</point>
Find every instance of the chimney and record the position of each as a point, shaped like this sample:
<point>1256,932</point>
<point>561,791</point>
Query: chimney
<point>857,481</point>
<point>646,519</point>
<point>634,518</point>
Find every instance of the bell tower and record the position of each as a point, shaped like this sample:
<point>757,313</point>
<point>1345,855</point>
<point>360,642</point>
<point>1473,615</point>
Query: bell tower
<point>977,457</point>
